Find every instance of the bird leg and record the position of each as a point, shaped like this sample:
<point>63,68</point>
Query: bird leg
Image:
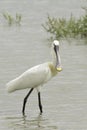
<point>39,101</point>
<point>25,100</point>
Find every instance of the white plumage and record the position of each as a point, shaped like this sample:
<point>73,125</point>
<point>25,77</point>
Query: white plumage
<point>31,78</point>
<point>37,76</point>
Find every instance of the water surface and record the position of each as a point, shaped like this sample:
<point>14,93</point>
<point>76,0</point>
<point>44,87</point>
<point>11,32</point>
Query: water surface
<point>64,98</point>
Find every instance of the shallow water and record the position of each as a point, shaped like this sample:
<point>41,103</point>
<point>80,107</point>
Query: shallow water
<point>64,98</point>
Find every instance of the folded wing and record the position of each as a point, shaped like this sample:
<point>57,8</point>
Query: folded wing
<point>30,79</point>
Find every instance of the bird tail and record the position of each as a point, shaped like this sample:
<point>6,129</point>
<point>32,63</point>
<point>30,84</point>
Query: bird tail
<point>9,88</point>
<point>12,86</point>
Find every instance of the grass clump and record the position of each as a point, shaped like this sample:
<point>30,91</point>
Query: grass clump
<point>12,20</point>
<point>61,28</point>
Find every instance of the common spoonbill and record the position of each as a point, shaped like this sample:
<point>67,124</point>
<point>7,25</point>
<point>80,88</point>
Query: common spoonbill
<point>36,76</point>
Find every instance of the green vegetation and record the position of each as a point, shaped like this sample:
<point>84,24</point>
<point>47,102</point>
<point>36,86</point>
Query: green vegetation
<point>12,20</point>
<point>61,28</point>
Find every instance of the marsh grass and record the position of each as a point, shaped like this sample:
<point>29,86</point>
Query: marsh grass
<point>62,28</point>
<point>12,20</point>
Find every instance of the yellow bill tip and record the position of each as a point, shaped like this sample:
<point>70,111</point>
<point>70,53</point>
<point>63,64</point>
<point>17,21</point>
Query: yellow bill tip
<point>59,69</point>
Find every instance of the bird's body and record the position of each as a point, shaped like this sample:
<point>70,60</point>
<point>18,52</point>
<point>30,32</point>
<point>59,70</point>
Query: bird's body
<point>37,76</point>
<point>32,78</point>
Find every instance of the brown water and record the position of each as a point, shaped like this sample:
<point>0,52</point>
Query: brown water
<point>64,98</point>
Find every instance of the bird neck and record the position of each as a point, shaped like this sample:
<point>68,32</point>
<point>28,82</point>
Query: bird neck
<point>52,69</point>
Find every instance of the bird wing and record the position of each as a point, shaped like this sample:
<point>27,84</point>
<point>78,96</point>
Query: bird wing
<point>35,76</point>
<point>31,78</point>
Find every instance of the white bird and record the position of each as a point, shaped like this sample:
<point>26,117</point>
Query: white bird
<point>36,76</point>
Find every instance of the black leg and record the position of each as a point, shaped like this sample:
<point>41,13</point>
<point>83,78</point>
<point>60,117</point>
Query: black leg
<point>25,100</point>
<point>39,101</point>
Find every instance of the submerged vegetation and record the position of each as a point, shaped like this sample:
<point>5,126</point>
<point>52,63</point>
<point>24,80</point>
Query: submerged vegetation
<point>12,20</point>
<point>61,28</point>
